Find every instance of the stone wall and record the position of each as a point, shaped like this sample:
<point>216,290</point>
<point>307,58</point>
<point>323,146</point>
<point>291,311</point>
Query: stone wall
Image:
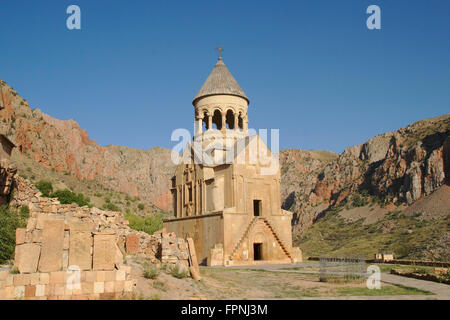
<point>61,240</point>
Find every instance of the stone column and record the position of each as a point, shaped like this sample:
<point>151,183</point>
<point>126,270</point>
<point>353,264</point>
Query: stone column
<point>224,119</point>
<point>198,126</point>
<point>209,121</point>
<point>236,122</point>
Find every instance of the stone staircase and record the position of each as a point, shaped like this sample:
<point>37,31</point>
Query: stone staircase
<point>247,231</point>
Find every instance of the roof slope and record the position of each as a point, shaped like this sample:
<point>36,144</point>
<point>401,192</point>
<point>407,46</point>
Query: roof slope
<point>220,81</point>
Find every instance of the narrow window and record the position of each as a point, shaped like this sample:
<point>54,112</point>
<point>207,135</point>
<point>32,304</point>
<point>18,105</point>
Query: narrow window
<point>256,208</point>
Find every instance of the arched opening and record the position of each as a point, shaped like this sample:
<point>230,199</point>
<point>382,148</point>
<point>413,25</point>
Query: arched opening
<point>205,122</point>
<point>240,122</point>
<point>230,119</point>
<point>217,120</point>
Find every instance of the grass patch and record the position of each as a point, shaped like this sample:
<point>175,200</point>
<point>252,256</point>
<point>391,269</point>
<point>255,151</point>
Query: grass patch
<point>151,271</point>
<point>391,290</point>
<point>9,222</point>
<point>148,224</point>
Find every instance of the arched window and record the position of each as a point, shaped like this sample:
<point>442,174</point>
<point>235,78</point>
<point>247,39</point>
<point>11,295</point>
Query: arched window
<point>240,121</point>
<point>230,119</point>
<point>217,120</point>
<point>205,121</point>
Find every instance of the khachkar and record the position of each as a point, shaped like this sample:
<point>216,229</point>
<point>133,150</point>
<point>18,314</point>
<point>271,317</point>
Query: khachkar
<point>226,188</point>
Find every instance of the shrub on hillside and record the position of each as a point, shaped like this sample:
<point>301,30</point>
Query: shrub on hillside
<point>178,272</point>
<point>150,271</point>
<point>141,206</point>
<point>66,197</point>
<point>45,187</point>
<point>110,206</point>
<point>148,224</point>
<point>9,222</point>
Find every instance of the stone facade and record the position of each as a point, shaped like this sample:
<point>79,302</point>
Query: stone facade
<point>226,189</point>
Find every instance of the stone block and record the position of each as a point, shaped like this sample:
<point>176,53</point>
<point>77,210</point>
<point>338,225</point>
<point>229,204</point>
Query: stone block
<point>22,279</point>
<point>4,274</point>
<point>34,279</point>
<point>19,292</point>
<point>120,275</point>
<point>128,286</point>
<point>30,291</point>
<point>110,275</point>
<point>104,252</point>
<point>119,286</point>
<point>9,292</point>
<point>109,286</point>
<point>31,224</point>
<point>27,257</point>
<point>21,235</point>
<point>87,287</point>
<point>101,276</point>
<point>52,246</point>
<point>60,289</point>
<point>132,244</point>
<point>44,278</point>
<point>40,290</point>
<point>80,244</point>
<point>91,276</point>
<point>99,287</point>
<point>36,236</point>
<point>57,277</point>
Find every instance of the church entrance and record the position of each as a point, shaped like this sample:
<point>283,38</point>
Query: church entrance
<point>256,208</point>
<point>257,251</point>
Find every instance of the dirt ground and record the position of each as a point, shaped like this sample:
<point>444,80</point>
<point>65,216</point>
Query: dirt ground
<point>248,283</point>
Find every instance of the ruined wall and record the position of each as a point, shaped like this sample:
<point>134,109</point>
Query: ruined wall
<point>206,231</point>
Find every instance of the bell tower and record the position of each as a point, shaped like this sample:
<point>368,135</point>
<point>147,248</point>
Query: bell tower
<point>221,104</point>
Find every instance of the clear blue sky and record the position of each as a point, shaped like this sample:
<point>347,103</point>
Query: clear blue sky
<point>310,68</point>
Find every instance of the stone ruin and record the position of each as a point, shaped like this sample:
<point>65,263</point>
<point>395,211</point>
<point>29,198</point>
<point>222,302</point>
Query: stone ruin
<point>72,252</point>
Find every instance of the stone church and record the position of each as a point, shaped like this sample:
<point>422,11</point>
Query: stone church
<point>226,189</point>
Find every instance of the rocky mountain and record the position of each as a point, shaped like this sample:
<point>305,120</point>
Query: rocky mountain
<point>397,168</point>
<point>63,146</point>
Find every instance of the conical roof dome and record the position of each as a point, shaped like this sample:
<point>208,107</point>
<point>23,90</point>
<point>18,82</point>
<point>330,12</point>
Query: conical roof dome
<point>220,81</point>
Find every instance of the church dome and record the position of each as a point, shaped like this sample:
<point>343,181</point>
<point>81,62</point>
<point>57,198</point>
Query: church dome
<point>220,81</point>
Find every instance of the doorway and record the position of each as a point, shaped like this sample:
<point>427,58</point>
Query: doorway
<point>257,251</point>
<point>256,208</point>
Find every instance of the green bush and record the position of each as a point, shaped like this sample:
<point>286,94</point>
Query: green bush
<point>148,224</point>
<point>66,197</point>
<point>110,206</point>
<point>9,222</point>
<point>150,271</point>
<point>45,187</point>
<point>141,206</point>
<point>24,212</point>
<point>178,273</point>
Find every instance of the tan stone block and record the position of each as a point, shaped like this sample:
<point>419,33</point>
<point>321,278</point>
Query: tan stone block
<point>9,292</point>
<point>101,276</point>
<point>2,294</point>
<point>27,257</point>
<point>19,292</point>
<point>80,297</point>
<point>119,257</point>
<point>126,268</point>
<point>30,291</point>
<point>65,259</point>
<point>107,296</point>
<point>120,275</point>
<point>60,289</point>
<point>80,244</point>
<point>104,252</point>
<point>44,278</point>
<point>66,242</point>
<point>52,246</point>
<point>34,279</point>
<point>109,286</point>
<point>94,296</point>
<point>9,281</point>
<point>41,218</point>
<point>119,286</point>
<point>91,276</point>
<point>50,290</point>
<point>132,244</point>
<point>40,290</point>
<point>57,277</point>
<point>77,291</point>
<point>21,235</point>
<point>128,285</point>
<point>110,275</point>
<point>67,291</point>
<point>99,287</point>
<point>36,236</point>
<point>31,224</point>
<point>3,274</point>
<point>22,279</point>
<point>87,287</point>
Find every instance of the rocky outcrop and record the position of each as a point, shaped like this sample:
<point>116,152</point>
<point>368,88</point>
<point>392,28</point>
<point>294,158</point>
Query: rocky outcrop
<point>402,166</point>
<point>65,147</point>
